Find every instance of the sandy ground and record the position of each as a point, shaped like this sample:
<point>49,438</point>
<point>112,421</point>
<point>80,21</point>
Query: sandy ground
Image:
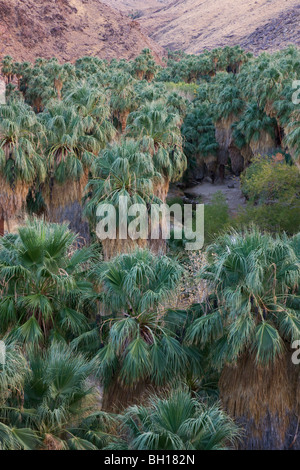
<point>206,190</point>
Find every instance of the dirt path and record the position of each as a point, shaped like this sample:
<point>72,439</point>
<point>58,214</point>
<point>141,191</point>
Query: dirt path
<point>231,189</point>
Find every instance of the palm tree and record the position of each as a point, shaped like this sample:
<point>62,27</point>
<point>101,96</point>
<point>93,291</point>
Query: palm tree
<point>49,404</point>
<point>255,129</point>
<point>59,74</point>
<point>7,68</point>
<point>122,97</point>
<point>256,280</point>
<point>292,137</point>
<point>178,421</point>
<point>227,106</point>
<point>159,133</point>
<point>200,145</point>
<point>43,286</point>
<point>92,105</point>
<point>70,149</point>
<point>21,163</point>
<point>38,88</point>
<point>12,378</point>
<point>144,66</point>
<point>141,350</point>
<point>122,170</point>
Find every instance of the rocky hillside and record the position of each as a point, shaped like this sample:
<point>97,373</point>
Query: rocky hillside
<point>68,29</point>
<point>193,25</point>
<point>139,7</point>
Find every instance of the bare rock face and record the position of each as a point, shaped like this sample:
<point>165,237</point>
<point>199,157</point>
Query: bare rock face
<point>69,29</point>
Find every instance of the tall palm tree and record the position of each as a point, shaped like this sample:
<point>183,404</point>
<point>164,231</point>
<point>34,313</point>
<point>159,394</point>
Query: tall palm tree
<point>256,280</point>
<point>43,283</point>
<point>255,129</point>
<point>21,163</point>
<point>159,133</point>
<point>7,68</point>
<point>122,97</point>
<point>92,105</point>
<point>70,148</point>
<point>59,74</point>
<point>141,349</point>
<point>200,145</point>
<point>178,421</point>
<point>122,170</point>
<point>144,66</point>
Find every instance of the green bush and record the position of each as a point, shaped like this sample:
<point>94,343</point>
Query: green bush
<point>273,191</point>
<point>216,217</point>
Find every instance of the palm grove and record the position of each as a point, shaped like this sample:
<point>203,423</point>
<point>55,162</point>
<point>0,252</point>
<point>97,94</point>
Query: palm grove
<point>99,354</point>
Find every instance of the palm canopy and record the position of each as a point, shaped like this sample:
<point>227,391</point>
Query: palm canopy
<point>198,131</point>
<point>70,148</point>
<point>21,163</point>
<point>121,170</point>
<point>14,436</point>
<point>227,98</point>
<point>20,153</point>
<point>144,66</point>
<point>159,132</point>
<point>122,96</point>
<point>178,422</point>
<point>256,280</point>
<point>49,397</point>
<point>253,122</point>
<point>91,104</point>
<point>141,344</point>
<point>42,278</point>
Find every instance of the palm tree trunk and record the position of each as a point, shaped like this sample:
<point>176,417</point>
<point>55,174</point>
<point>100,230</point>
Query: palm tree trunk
<point>123,120</point>
<point>112,248</point>
<point>264,401</point>
<point>116,398</point>
<point>1,227</point>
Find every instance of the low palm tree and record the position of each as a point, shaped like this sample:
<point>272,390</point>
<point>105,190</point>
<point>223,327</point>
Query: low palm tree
<point>256,280</point>
<point>43,283</point>
<point>178,421</point>
<point>141,349</point>
<point>48,399</point>
<point>14,436</point>
<point>21,163</point>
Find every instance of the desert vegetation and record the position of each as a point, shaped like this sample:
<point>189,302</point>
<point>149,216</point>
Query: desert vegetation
<point>138,344</point>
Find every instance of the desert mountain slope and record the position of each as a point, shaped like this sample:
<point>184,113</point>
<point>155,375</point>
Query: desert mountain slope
<point>193,25</point>
<point>141,6</point>
<point>68,29</point>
